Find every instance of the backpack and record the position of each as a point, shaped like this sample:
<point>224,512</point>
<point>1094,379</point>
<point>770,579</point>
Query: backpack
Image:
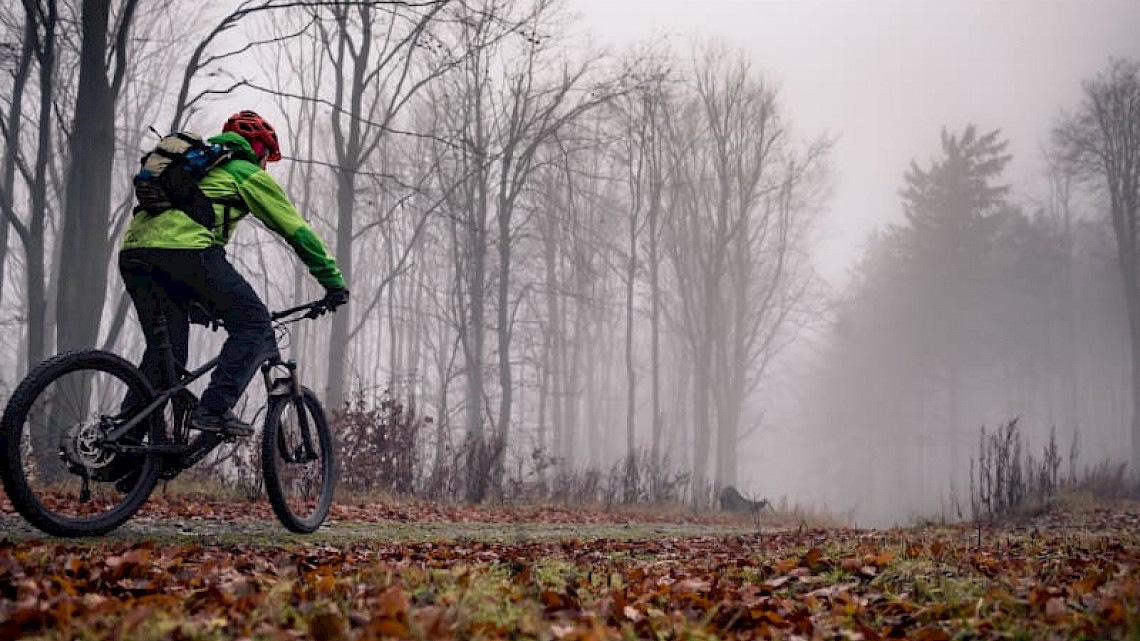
<point>169,175</point>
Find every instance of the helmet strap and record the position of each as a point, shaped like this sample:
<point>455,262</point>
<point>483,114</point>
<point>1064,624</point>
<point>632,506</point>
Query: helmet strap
<point>261,150</point>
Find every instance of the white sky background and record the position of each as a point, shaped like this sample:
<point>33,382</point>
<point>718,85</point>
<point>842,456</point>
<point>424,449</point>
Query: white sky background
<point>884,76</point>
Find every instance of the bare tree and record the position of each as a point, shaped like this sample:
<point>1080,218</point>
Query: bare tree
<point>554,343</point>
<point>296,67</point>
<point>656,103</point>
<point>533,112</point>
<point>204,60</point>
<point>374,77</point>
<point>1101,142</point>
<point>42,25</point>
<point>12,119</point>
<point>691,243</point>
<point>640,146</point>
<point>736,242</point>
<point>501,113</point>
<point>140,104</point>
<point>461,151</point>
<point>769,290</point>
<point>86,216</point>
<point>634,136</point>
<point>374,56</point>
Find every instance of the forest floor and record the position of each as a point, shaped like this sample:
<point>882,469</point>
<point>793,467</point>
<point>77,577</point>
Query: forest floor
<point>192,568</point>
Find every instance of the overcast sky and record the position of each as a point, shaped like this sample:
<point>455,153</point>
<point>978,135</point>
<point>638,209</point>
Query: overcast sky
<point>885,75</point>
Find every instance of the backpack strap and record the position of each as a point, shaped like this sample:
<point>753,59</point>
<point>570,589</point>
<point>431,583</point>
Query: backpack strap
<point>227,216</point>
<point>229,211</point>
<point>188,139</point>
<point>228,206</point>
<point>164,153</point>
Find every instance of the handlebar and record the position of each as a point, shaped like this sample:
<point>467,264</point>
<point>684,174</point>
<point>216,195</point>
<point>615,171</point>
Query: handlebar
<point>312,310</point>
<point>320,307</point>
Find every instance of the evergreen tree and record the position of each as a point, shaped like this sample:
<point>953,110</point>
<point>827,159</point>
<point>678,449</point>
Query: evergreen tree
<point>953,209</point>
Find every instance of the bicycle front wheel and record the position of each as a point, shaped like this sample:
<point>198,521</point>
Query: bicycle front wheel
<point>298,461</point>
<point>55,467</point>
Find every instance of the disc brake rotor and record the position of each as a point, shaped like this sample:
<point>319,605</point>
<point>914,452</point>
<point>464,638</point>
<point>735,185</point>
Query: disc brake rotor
<point>82,447</point>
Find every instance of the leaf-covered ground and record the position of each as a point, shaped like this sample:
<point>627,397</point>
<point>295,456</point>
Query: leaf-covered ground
<point>536,574</point>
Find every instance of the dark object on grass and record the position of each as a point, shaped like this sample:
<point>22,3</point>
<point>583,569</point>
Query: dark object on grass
<point>732,501</point>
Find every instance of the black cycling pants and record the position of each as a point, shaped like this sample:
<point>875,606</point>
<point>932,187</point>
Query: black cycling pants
<point>166,281</point>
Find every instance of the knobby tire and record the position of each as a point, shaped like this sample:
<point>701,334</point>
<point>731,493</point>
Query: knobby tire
<point>278,433</point>
<point>16,414</point>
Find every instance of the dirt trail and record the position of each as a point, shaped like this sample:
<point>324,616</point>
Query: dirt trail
<point>253,524</point>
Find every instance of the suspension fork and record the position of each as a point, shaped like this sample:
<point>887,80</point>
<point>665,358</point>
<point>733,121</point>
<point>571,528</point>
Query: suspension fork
<point>290,385</point>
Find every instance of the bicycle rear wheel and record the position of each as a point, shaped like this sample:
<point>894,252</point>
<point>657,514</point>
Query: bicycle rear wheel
<point>298,461</point>
<point>55,470</point>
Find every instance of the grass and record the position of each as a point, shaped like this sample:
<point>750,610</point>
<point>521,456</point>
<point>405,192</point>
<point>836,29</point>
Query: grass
<point>1068,574</point>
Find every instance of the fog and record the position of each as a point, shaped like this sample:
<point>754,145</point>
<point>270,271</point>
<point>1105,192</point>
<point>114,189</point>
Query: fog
<point>884,77</point>
<point>810,248</point>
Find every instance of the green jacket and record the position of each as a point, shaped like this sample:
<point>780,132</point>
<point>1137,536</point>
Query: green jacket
<point>237,187</point>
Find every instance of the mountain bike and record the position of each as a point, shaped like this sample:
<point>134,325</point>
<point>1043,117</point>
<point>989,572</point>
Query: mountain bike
<point>85,438</point>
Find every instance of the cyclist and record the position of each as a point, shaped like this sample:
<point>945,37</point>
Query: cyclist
<point>174,266</point>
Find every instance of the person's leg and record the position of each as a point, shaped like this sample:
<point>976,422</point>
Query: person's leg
<point>146,276</point>
<point>148,284</point>
<point>250,341</point>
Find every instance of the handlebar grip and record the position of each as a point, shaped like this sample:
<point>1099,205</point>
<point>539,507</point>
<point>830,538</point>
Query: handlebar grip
<point>312,310</point>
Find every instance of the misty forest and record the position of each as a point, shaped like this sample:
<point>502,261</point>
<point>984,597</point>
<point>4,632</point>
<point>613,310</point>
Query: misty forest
<point>588,275</point>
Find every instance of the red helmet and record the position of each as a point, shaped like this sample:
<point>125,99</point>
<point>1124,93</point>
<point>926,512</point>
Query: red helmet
<point>256,130</point>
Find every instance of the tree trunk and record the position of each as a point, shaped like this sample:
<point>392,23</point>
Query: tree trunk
<point>12,143</point>
<point>554,343</point>
<point>395,329</point>
<point>476,328</point>
<point>474,331</point>
<point>702,432</point>
<point>338,338</point>
<point>599,386</point>
<point>655,344</point>
<point>87,199</point>
<point>35,241</point>
<point>84,235</point>
<point>1132,296</point>
<point>118,320</point>
<point>5,228</point>
<point>506,384</point>
<point>416,331</point>
<point>442,437</point>
<point>1130,272</point>
<point>730,393</point>
<point>630,370</point>
<point>1124,219</point>
<point>543,394</point>
<point>572,390</point>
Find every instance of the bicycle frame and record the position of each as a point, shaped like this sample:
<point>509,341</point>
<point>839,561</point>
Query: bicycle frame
<point>179,379</point>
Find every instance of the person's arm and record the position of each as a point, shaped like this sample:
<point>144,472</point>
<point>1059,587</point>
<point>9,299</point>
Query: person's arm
<point>268,202</point>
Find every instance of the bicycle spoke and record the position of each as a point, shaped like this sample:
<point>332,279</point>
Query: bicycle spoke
<point>298,463</point>
<point>300,469</point>
<point>59,473</point>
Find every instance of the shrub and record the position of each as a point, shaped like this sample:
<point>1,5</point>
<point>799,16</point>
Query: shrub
<point>1005,480</point>
<point>376,447</point>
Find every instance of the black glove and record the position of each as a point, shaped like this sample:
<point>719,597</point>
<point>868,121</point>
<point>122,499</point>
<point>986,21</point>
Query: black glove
<point>199,314</point>
<point>335,297</point>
